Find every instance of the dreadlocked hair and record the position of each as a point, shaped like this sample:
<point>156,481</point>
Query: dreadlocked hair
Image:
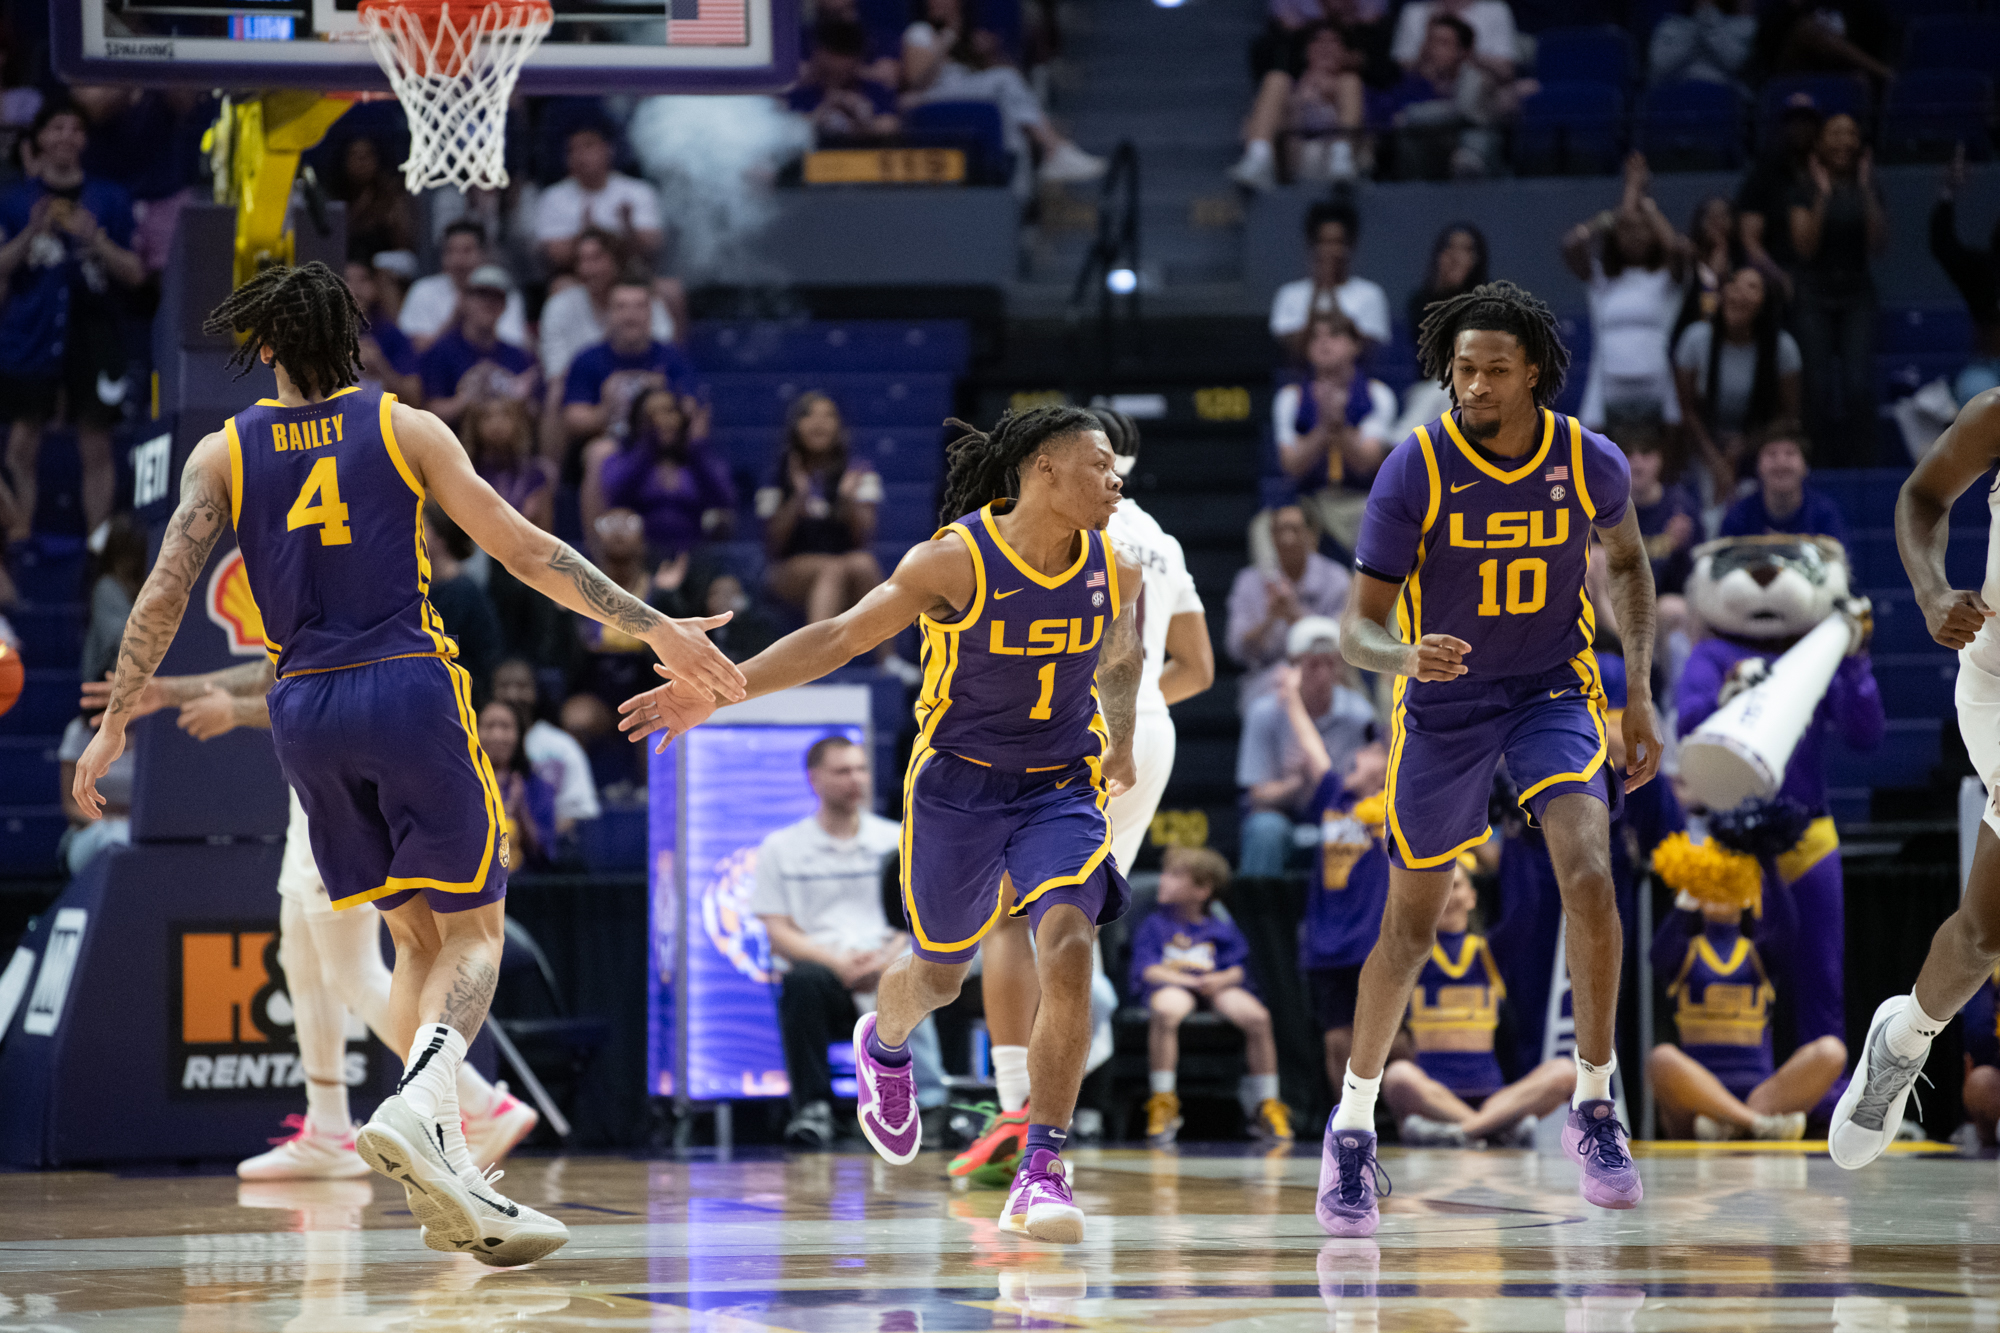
<point>983,466</point>
<point>1497,307</point>
<point>308,319</point>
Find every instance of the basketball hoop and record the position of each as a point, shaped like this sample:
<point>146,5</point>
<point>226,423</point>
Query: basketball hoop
<point>453,64</point>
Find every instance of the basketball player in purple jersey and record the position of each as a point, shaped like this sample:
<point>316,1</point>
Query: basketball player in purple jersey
<point>1032,662</point>
<point>325,485</point>
<point>1469,591</point>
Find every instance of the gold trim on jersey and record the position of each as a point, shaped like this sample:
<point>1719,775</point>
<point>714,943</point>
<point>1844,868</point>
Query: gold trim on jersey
<point>300,407</point>
<point>1045,580</point>
<point>1533,461</point>
<point>235,472</point>
<point>922,755</point>
<point>1591,686</point>
<point>433,624</point>
<point>1096,858</point>
<point>1730,1013</point>
<point>1110,569</point>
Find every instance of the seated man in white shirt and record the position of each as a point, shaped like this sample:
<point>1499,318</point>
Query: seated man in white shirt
<point>593,195</point>
<point>573,316</point>
<point>819,892</point>
<point>430,308</point>
<point>1332,231</point>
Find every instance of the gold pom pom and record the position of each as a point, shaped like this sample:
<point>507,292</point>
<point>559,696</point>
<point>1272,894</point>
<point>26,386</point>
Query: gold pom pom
<point>1372,811</point>
<point>1708,871</point>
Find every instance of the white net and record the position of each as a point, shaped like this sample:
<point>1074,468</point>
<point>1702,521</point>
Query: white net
<point>453,68</point>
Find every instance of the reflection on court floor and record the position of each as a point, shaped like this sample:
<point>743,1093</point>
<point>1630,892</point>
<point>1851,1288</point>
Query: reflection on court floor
<point>1201,1239</point>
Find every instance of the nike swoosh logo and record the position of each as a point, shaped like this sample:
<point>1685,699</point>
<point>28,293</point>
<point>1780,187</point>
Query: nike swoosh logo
<point>505,1208</point>
<point>1000,596</point>
<point>1557,694</point>
<point>1466,487</point>
<point>1064,783</point>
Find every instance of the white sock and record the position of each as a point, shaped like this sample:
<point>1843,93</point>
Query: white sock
<point>1593,1082</point>
<point>1162,1080</point>
<point>1357,1102</point>
<point>1253,1090</point>
<point>326,1108</point>
<point>456,1150</point>
<point>430,1072</point>
<point>1908,1033</point>
<point>1010,1076</point>
<point>476,1097</point>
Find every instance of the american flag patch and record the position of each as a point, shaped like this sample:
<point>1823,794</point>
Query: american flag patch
<point>1095,580</point>
<point>1557,473</point>
<point>708,23</point>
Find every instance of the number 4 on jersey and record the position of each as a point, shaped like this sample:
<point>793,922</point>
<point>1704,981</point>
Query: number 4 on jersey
<point>319,506</point>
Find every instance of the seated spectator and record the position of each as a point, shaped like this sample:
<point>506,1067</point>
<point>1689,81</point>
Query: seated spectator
<point>1333,430</point>
<point>1276,775</point>
<point>1452,1092</point>
<point>1976,274</point>
<point>388,359</point>
<point>1783,500</point>
<point>1633,263</point>
<point>1982,1061</point>
<point>1449,105</point>
<point>1840,224</point>
<point>1265,601</point>
<point>553,753</point>
<point>120,568</point>
<point>947,57</point>
<point>460,602</point>
<point>61,349</point>
<point>749,630</point>
<point>881,66</point>
<point>592,195</point>
<point>86,837</point>
<point>818,892</point>
<point>395,271</point>
<point>1364,27</point>
<point>604,381</point>
<point>818,509</point>
<point>1184,958</point>
<point>573,316</point>
<point>680,491</point>
<point>1332,230</point>
<point>1494,44</point>
<point>1316,115</point>
<point>378,207</point>
<point>499,437</point>
<point>1458,263</point>
<point>470,362</point>
<point>432,304</point>
<point>1708,40</point>
<point>1764,199</point>
<point>1719,1083</point>
<point>1825,37</point>
<point>529,802</point>
<point>1735,373</point>
<point>1669,515</point>
<point>841,102</point>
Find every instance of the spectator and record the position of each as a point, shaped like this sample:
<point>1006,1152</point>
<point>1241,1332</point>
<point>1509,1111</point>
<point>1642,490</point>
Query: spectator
<point>1715,251</point>
<point>593,195</point>
<point>749,631</point>
<point>842,103</point>
<point>819,893</point>
<point>1976,274</point>
<point>121,568</point>
<point>1332,230</point>
<point>461,604</point>
<point>1364,27</point>
<point>573,316</point>
<point>1317,115</point>
<point>1838,226</point>
<point>1719,1083</point>
<point>1494,45</point>
<point>615,665</point>
<point>388,359</point>
<point>881,66</point>
<point>1825,37</point>
<point>1332,431</point>
<point>61,349</point>
<point>1184,958</point>
<point>1783,500</point>
<point>1276,775</point>
<point>529,802</point>
<point>1735,373</point>
<point>469,362</point>
<point>1633,262</point>
<point>1764,200</point>
<point>395,270</point>
<point>1669,517</point>
<point>1708,41</point>
<point>1447,106</point>
<point>432,304</point>
<point>1981,1094</point>
<point>948,58</point>
<point>681,493</point>
<point>378,207</point>
<point>1265,601</point>
<point>818,508</point>
<point>603,381</point>
<point>499,437</point>
<point>1458,263</point>
<point>553,753</point>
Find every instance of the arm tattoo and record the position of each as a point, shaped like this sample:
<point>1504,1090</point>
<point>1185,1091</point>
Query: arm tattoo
<point>156,615</point>
<point>471,995</point>
<point>604,601</point>
<point>1118,676</point>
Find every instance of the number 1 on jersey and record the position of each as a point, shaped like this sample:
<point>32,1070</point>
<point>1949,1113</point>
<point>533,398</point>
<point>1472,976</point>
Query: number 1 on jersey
<point>1047,675</point>
<point>319,506</point>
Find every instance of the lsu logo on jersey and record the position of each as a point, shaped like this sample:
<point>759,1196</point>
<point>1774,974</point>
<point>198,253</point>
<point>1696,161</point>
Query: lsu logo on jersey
<point>1520,527</point>
<point>232,609</point>
<point>1043,638</point>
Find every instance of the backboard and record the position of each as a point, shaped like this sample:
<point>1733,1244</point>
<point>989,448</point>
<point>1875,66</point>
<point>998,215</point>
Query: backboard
<point>596,46</point>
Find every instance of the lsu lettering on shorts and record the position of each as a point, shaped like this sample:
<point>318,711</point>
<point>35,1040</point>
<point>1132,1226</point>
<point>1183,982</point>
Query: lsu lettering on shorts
<point>964,824</point>
<point>398,795</point>
<point>1445,743</point>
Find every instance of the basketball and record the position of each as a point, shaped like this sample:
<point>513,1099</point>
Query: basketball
<point>12,677</point>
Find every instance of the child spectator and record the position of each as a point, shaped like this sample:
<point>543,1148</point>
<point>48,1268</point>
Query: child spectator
<point>593,195</point>
<point>378,207</point>
<point>529,804</point>
<point>1332,231</point>
<point>842,104</point>
<point>1669,515</point>
<point>1276,773</point>
<point>680,492</point>
<point>603,381</point>
<point>432,305</point>
<point>573,316</point>
<point>1783,500</point>
<point>1720,1082</point>
<point>1448,105</point>
<point>1453,1093</point>
<point>1976,274</point>
<point>1633,263</point>
<point>1735,373</point>
<point>1982,1060</point>
<point>1265,601</point>
<point>1839,224</point>
<point>818,509</point>
<point>1333,428</point>
<point>470,362</point>
<point>1708,40</point>
<point>388,359</point>
<point>1317,115</point>
<point>556,757</point>
<point>1185,957</point>
<point>499,437</point>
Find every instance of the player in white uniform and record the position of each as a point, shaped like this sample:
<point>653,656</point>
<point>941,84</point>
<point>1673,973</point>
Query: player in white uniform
<point>332,961</point>
<point>1967,946</point>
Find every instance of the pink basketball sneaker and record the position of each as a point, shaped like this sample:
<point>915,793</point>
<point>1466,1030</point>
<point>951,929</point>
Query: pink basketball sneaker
<point>1595,1141</point>
<point>885,1100</point>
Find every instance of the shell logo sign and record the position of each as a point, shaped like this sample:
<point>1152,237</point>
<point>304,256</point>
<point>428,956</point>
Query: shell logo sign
<point>233,609</point>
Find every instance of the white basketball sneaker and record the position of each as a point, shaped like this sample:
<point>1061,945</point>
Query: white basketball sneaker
<point>460,1211</point>
<point>304,1155</point>
<point>492,1136</point>
<point>1870,1113</point>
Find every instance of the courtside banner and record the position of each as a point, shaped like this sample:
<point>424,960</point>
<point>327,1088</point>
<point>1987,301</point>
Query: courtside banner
<point>229,1017</point>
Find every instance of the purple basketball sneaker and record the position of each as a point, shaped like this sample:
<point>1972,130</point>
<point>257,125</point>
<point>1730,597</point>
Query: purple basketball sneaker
<point>1349,1177</point>
<point>1595,1141</point>
<point>1040,1203</point>
<point>885,1100</point>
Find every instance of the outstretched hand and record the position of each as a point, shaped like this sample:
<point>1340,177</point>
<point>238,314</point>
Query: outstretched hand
<point>688,654</point>
<point>672,709</point>
<point>97,697</point>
